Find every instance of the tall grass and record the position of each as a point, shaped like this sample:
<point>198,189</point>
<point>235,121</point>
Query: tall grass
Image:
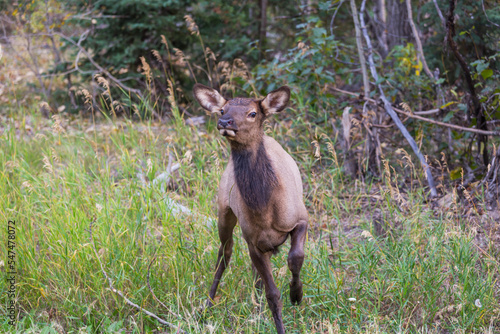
<point>422,273</point>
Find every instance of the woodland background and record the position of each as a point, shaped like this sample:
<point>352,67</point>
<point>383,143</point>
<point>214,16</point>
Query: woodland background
<point>394,123</point>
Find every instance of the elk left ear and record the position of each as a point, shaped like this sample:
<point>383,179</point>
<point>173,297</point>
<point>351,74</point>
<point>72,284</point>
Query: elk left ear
<point>276,101</point>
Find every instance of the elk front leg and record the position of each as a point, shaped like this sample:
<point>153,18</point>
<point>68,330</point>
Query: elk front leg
<point>295,261</point>
<point>262,262</point>
<point>227,221</point>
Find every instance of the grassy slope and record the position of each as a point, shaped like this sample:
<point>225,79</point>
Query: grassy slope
<point>424,275</point>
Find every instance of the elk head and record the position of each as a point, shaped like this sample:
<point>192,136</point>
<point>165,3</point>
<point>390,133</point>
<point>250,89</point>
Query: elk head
<point>241,119</point>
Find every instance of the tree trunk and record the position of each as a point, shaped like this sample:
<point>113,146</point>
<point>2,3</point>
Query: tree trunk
<point>359,43</point>
<point>380,27</point>
<point>476,108</point>
<point>368,117</point>
<point>398,27</point>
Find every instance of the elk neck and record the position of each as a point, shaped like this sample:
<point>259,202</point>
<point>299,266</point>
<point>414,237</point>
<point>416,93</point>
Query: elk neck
<point>254,174</point>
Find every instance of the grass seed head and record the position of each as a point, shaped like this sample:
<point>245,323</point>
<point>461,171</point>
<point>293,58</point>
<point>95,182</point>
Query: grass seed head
<point>240,69</point>
<point>210,53</point>
<point>149,164</point>
<point>47,164</point>
<point>102,81</point>
<point>146,69</point>
<point>317,152</point>
<point>28,186</point>
<point>180,58</point>
<point>57,126</point>
<point>191,25</point>
<point>171,94</point>
<point>157,56</point>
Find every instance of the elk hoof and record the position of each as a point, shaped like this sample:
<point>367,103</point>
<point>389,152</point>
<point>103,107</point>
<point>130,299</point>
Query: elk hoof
<point>296,293</point>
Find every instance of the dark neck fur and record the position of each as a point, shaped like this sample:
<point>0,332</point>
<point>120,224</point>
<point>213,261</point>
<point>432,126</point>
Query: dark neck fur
<point>254,175</point>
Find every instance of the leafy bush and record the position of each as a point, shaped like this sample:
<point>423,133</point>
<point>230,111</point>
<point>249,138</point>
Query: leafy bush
<point>309,67</point>
<point>405,79</point>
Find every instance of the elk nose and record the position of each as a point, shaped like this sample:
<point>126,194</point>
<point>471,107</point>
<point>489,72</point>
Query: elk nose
<point>224,123</point>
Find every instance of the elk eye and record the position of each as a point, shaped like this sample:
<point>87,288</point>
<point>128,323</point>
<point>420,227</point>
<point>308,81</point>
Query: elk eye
<point>252,114</point>
<point>222,111</point>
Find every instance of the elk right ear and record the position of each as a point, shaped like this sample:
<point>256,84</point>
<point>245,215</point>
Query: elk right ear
<point>276,101</point>
<point>208,98</point>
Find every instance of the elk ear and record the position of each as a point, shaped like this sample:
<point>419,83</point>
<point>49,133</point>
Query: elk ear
<point>208,98</point>
<point>276,101</point>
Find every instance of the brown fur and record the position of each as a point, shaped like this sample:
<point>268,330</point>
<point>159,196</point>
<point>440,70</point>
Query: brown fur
<point>261,188</point>
<point>255,176</point>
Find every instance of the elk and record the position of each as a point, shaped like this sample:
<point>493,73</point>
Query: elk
<point>261,188</point>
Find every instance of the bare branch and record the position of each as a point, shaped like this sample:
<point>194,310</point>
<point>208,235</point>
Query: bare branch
<point>335,14</point>
<point>390,111</point>
<point>443,22</point>
<point>415,115</point>
<point>118,292</point>
<point>100,68</point>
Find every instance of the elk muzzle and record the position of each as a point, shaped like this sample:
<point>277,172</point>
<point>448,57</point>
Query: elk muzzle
<point>227,127</point>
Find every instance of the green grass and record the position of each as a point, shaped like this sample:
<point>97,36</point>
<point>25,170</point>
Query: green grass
<point>423,274</point>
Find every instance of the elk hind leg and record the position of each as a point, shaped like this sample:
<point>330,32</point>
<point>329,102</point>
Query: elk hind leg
<point>262,262</point>
<point>295,261</point>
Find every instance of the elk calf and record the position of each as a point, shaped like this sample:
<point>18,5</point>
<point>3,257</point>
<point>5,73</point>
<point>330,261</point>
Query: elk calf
<point>261,188</point>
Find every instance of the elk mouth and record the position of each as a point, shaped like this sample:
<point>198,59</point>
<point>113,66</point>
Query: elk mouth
<point>228,132</point>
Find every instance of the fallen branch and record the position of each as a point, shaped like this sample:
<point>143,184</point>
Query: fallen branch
<point>118,292</point>
<point>416,114</point>
<point>390,111</point>
<point>162,181</point>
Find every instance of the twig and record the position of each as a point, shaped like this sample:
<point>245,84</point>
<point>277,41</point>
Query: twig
<point>428,112</point>
<point>452,126</point>
<point>118,292</point>
<point>416,116</point>
<point>390,111</point>
<point>333,16</point>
